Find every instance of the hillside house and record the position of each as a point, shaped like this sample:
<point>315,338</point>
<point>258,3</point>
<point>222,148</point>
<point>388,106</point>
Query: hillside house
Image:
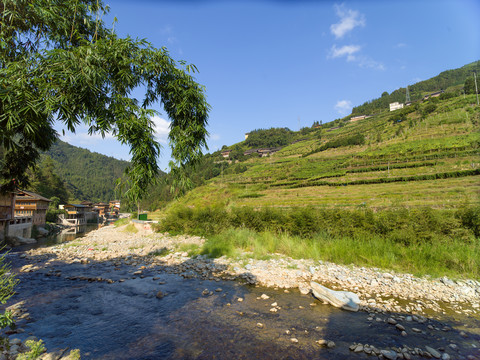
<point>29,204</point>
<point>396,106</point>
<point>226,153</point>
<point>432,95</point>
<point>356,118</point>
<point>263,152</point>
<point>246,136</point>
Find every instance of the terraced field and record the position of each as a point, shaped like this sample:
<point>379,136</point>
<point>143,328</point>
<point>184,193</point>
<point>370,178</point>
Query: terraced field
<point>426,159</point>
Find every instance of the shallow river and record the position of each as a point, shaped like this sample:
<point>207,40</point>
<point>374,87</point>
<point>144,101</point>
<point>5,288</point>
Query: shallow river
<point>105,319</point>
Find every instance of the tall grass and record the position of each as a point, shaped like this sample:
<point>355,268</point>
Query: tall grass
<point>454,259</point>
<point>420,240</point>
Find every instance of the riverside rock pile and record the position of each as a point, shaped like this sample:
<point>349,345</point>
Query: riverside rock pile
<point>379,291</point>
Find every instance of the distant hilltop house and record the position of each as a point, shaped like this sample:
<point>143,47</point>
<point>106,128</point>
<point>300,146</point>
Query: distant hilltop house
<point>263,152</point>
<point>226,153</point>
<point>246,136</point>
<point>396,106</point>
<point>360,117</point>
<point>435,94</point>
<point>30,204</point>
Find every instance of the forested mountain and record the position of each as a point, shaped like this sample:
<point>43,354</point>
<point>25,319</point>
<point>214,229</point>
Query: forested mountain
<point>87,175</point>
<point>450,78</point>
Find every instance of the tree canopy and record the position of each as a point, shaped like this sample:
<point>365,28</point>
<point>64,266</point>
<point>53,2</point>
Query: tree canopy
<point>60,62</point>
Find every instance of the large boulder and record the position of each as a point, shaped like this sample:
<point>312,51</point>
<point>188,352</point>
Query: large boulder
<point>18,240</point>
<point>42,231</point>
<point>341,299</point>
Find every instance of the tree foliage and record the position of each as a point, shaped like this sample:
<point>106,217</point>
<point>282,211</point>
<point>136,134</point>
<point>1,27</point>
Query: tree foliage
<point>265,138</point>
<point>60,62</point>
<point>45,181</point>
<point>87,175</point>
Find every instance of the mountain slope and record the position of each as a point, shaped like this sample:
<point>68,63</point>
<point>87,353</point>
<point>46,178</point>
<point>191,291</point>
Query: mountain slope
<point>88,175</point>
<point>454,79</point>
<point>425,154</point>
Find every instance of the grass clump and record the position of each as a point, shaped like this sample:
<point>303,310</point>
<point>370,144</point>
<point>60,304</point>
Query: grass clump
<point>121,222</point>
<point>131,228</point>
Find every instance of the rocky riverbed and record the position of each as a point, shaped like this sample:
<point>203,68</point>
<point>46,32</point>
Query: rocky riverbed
<point>111,286</point>
<point>378,290</point>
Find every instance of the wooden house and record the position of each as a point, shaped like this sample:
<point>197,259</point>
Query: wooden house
<point>7,206</point>
<point>102,208</point>
<point>31,205</point>
<point>75,214</point>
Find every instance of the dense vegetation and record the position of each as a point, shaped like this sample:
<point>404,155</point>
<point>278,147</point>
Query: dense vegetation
<point>87,175</point>
<point>267,138</point>
<point>421,240</point>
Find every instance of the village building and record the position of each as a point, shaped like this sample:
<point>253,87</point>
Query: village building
<point>102,209</point>
<point>396,106</point>
<point>75,214</point>
<point>9,224</point>
<point>246,136</point>
<point>115,204</point>
<point>29,204</point>
<point>91,214</point>
<point>7,206</point>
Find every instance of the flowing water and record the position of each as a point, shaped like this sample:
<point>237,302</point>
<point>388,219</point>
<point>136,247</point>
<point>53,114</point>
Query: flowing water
<point>86,306</point>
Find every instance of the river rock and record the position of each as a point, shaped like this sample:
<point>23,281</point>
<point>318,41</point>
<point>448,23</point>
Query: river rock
<point>341,299</point>
<point>389,354</point>
<point>433,352</point>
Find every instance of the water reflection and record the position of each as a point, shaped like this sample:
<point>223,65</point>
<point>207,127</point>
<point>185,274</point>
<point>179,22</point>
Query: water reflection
<point>68,234</point>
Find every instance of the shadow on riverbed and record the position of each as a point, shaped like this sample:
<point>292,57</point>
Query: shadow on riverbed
<point>111,310</point>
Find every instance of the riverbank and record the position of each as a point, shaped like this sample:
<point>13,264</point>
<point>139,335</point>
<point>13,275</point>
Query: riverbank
<point>379,290</point>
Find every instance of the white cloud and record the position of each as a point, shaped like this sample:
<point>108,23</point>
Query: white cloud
<point>367,62</point>
<point>343,107</point>
<point>346,50</point>
<point>400,45</point>
<point>215,137</point>
<point>162,129</point>
<point>349,20</point>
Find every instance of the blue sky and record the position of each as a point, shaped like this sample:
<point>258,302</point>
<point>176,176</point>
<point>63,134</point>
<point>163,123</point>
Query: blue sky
<point>289,63</point>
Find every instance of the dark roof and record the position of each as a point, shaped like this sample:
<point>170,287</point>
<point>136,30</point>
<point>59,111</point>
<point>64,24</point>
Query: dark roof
<point>30,195</point>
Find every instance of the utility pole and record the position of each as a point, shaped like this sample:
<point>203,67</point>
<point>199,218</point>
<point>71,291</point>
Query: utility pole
<point>407,97</point>
<point>476,88</point>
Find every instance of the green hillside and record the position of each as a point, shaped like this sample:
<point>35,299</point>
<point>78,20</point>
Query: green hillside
<point>453,80</point>
<point>425,154</point>
<point>87,175</point>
